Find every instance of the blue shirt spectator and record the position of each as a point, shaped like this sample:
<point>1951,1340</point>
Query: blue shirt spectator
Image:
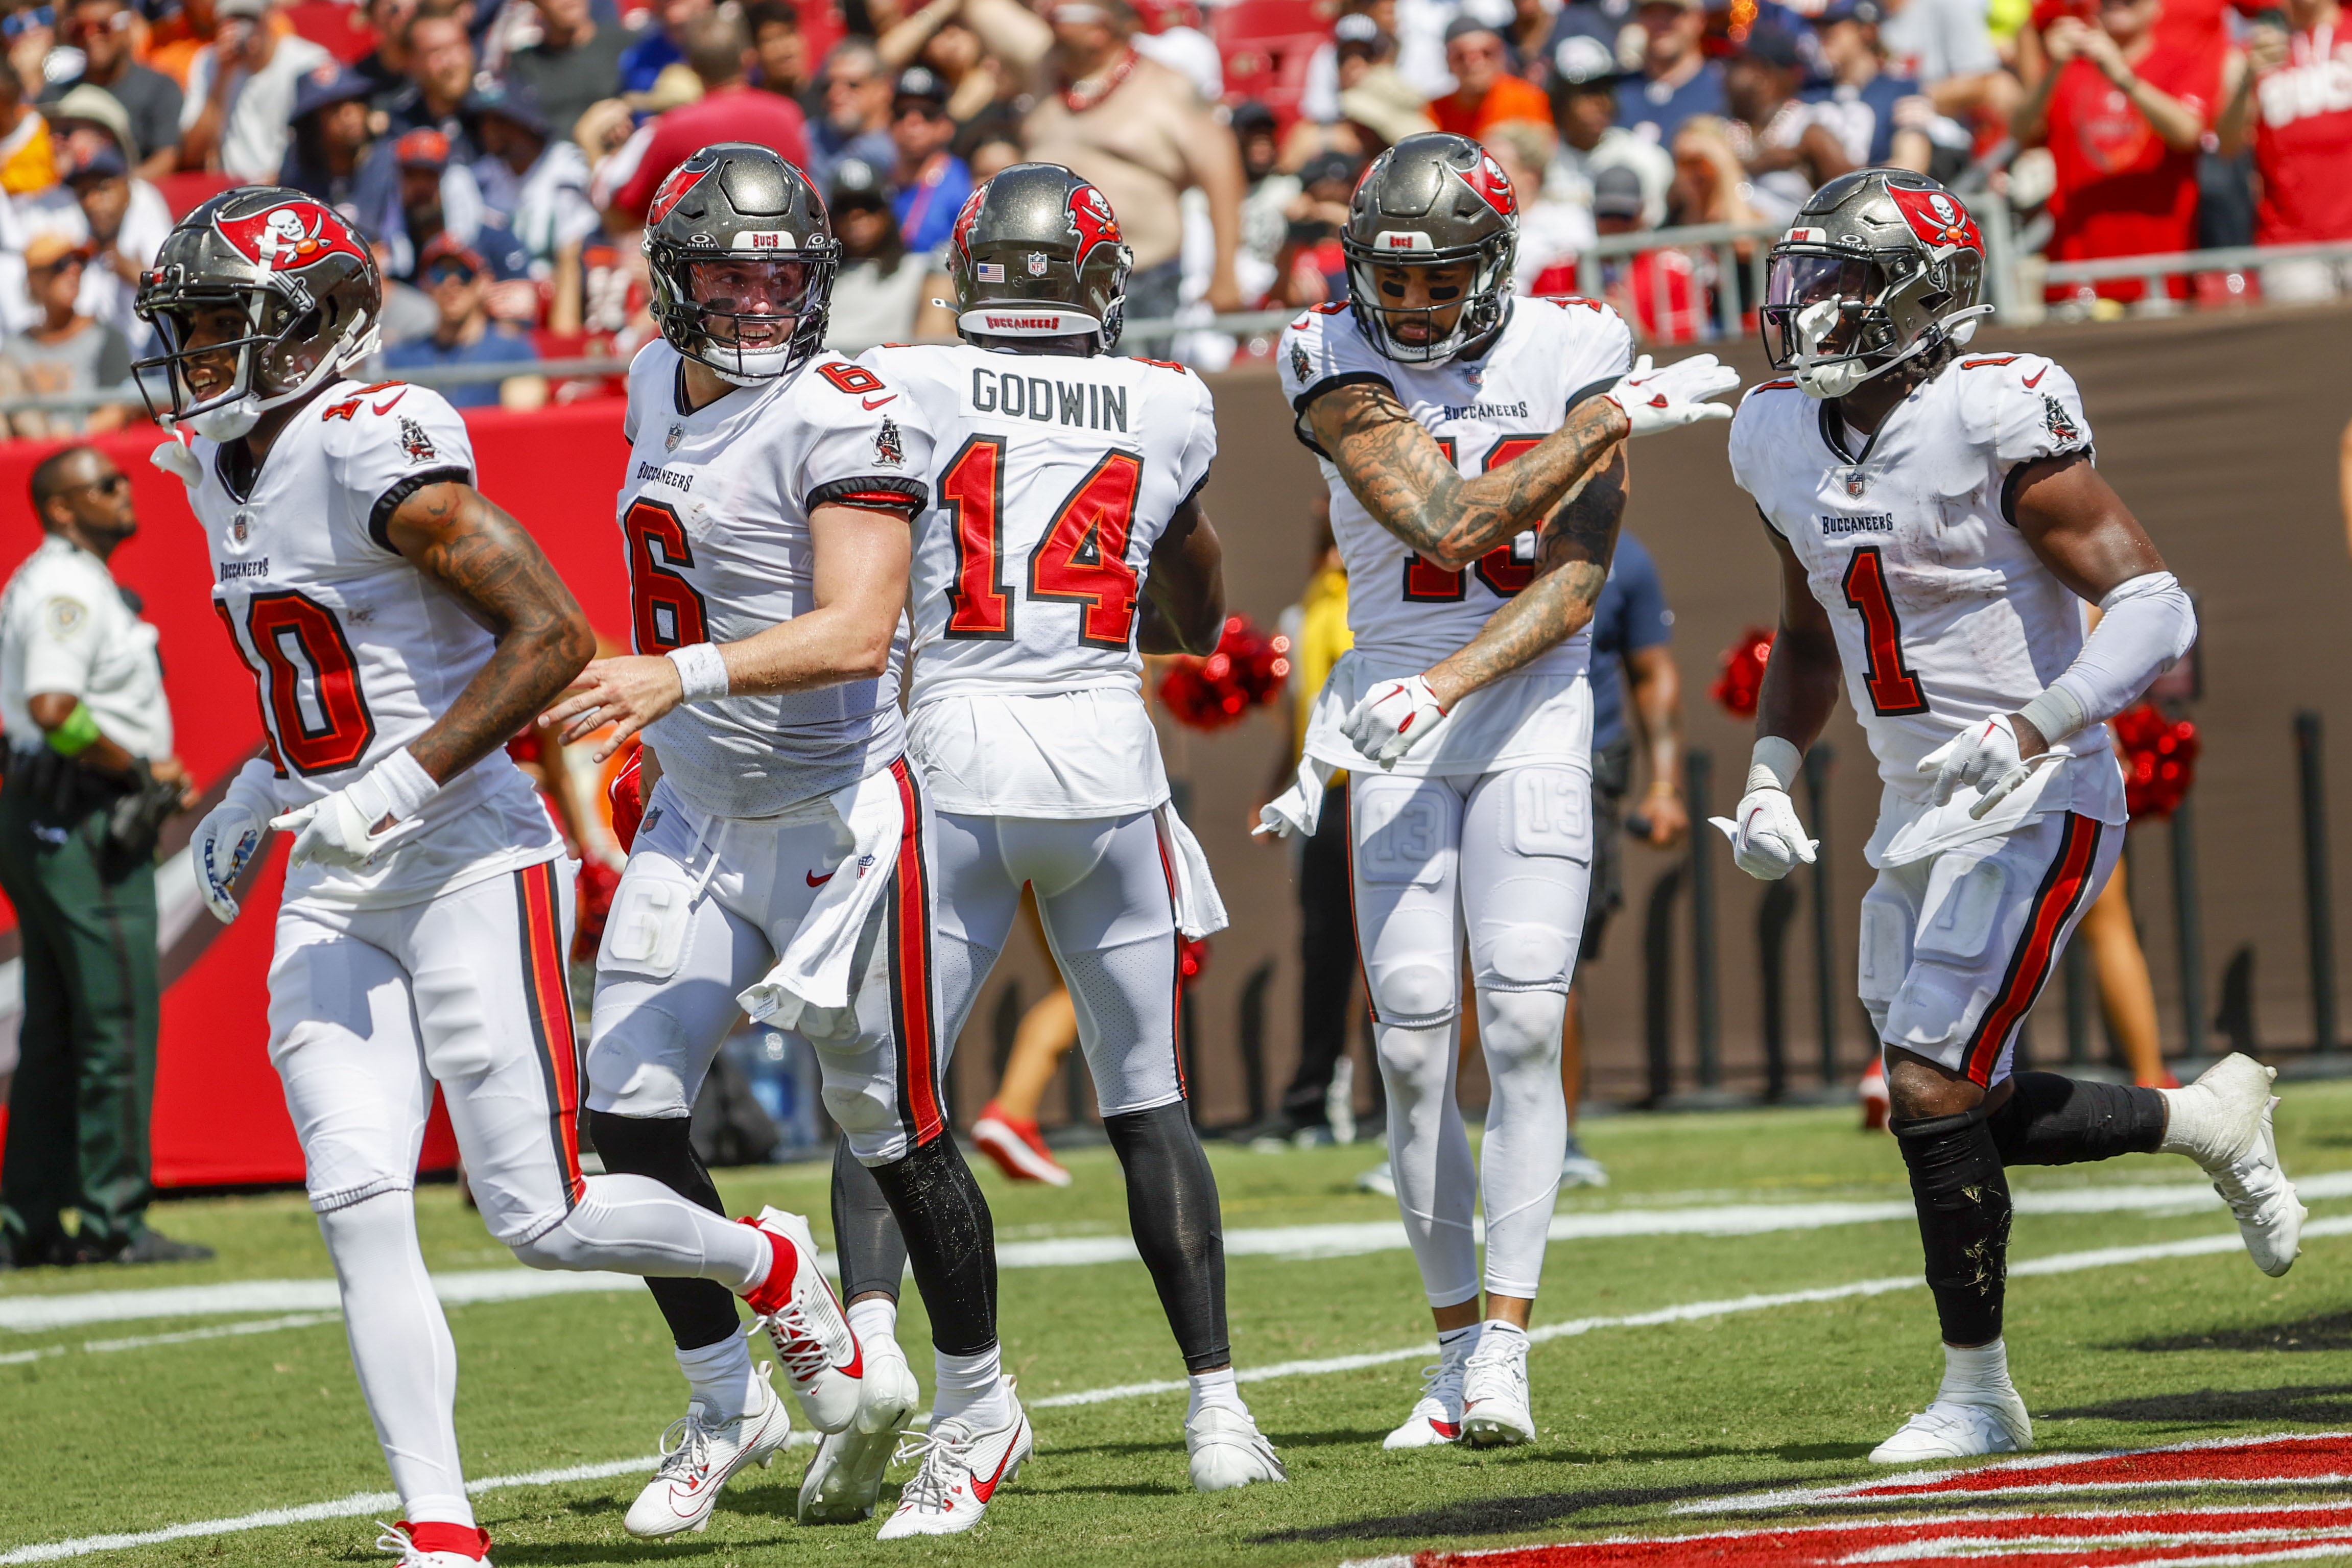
<point>1676,80</point>
<point>1630,616</point>
<point>458,278</point>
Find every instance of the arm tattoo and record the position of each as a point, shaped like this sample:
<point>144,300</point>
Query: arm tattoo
<point>1403,478</point>
<point>1572,562</point>
<point>457,537</point>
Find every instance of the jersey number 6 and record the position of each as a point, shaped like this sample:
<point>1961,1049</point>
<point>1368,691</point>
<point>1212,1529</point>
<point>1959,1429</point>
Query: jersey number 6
<point>664,608</point>
<point>1082,559</point>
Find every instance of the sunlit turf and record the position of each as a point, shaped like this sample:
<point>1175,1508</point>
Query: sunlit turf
<point>1632,1417</point>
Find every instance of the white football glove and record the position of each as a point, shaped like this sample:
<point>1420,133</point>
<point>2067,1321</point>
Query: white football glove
<point>340,828</point>
<point>225,841</point>
<point>1984,758</point>
<point>1768,842</point>
<point>1392,718</point>
<point>1674,395</point>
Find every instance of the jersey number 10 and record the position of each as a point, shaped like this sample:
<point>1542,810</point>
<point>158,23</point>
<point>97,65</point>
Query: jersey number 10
<point>1428,584</point>
<point>1081,560</point>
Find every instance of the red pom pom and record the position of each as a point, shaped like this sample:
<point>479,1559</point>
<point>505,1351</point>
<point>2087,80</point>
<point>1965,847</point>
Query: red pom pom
<point>1246,671</point>
<point>2159,758</point>
<point>1743,672</point>
<point>1191,957</point>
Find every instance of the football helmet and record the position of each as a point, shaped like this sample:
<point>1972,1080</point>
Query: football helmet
<point>1881,266</point>
<point>1037,253</point>
<point>1432,200</point>
<point>741,257</point>
<point>304,283</point>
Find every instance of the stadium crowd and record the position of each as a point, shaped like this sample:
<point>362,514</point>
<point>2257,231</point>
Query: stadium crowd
<point>502,153</point>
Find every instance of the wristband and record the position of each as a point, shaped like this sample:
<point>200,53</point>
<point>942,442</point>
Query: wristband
<point>406,785</point>
<point>702,673</point>
<point>77,734</point>
<point>1774,763</point>
<point>2056,714</point>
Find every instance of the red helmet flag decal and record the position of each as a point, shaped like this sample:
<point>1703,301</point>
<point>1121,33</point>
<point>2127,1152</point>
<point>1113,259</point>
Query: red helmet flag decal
<point>682,179</point>
<point>292,236</point>
<point>1494,186</point>
<point>1091,217</point>
<point>1937,218</point>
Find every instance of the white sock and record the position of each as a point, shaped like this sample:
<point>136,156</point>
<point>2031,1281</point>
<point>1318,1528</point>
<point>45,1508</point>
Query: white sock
<point>1460,1342</point>
<point>971,1388</point>
<point>2205,1122</point>
<point>874,1318</point>
<point>1982,1369</point>
<point>1216,1388</point>
<point>721,1377</point>
<point>1503,1334</point>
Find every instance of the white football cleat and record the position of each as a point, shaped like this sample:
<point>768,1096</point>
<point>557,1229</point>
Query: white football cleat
<point>1580,1169</point>
<point>1495,1408</point>
<point>814,1343</point>
<point>2240,1153</point>
<point>1227,1450</point>
<point>699,1455</point>
<point>960,1471</point>
<point>1437,1418</point>
<point>435,1545</point>
<point>1948,1429</point>
<point>845,1477</point>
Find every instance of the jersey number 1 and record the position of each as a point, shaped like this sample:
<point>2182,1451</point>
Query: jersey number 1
<point>1894,689</point>
<point>1499,569</point>
<point>1082,559</point>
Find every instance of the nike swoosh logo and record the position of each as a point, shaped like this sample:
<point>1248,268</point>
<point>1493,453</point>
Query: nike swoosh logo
<point>816,881</point>
<point>2035,379</point>
<point>983,1490</point>
<point>874,402</point>
<point>1445,1428</point>
<point>385,406</point>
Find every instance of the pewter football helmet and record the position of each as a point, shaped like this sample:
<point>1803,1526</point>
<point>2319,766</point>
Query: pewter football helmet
<point>1432,200</point>
<point>742,255</point>
<point>1037,253</point>
<point>1879,267</point>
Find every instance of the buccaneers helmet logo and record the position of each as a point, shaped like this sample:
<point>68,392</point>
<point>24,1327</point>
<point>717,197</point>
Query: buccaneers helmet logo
<point>1092,220</point>
<point>1936,218</point>
<point>291,236</point>
<point>1494,186</point>
<point>961,237</point>
<point>673,190</point>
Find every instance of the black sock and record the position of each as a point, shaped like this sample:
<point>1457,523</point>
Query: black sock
<point>950,1239</point>
<point>864,1232</point>
<point>701,1312</point>
<point>1171,1206</point>
<point>2054,1121</point>
<point>1963,1203</point>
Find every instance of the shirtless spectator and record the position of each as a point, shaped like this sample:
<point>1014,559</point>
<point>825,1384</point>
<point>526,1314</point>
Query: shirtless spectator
<point>2292,98</point>
<point>1139,131</point>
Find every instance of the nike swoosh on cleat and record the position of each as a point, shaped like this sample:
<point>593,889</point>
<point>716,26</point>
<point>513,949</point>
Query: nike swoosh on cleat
<point>2035,379</point>
<point>816,881</point>
<point>983,1490</point>
<point>874,402</point>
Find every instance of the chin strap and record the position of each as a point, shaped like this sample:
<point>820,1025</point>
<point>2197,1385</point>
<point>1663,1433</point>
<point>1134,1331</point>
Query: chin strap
<point>1813,371</point>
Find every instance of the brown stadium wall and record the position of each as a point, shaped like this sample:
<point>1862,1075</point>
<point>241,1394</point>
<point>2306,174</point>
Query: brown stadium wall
<point>2222,434</point>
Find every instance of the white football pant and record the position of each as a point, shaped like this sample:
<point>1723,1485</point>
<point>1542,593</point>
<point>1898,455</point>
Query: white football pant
<point>1505,859</point>
<point>1955,947</point>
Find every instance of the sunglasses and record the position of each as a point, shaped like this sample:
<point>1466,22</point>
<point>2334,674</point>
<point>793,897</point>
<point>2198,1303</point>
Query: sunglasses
<point>25,21</point>
<point>113,484</point>
<point>918,106</point>
<point>441,273</point>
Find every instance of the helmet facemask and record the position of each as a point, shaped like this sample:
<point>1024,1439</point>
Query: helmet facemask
<point>1478,304</point>
<point>747,317</point>
<point>281,355</point>
<point>1834,316</point>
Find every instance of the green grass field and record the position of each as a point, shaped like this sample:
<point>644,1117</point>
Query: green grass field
<point>1634,1417</point>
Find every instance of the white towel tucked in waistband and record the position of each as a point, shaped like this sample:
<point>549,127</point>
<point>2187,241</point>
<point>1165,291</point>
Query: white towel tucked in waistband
<point>1198,909</point>
<point>812,977</point>
<point>1295,812</point>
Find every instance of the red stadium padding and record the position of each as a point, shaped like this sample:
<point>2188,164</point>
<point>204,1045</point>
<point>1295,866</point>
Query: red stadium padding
<point>220,1118</point>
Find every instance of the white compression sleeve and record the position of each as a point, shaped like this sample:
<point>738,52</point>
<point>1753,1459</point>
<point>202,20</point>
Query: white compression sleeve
<point>2144,624</point>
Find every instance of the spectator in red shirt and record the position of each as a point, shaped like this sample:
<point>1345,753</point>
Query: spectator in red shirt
<point>1485,94</point>
<point>2121,113</point>
<point>718,48</point>
<point>2293,99</point>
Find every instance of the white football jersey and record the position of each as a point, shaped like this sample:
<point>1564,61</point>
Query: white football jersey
<point>1052,476</point>
<point>355,652</point>
<point>714,520</point>
<point>1483,413</point>
<point>1944,614</point>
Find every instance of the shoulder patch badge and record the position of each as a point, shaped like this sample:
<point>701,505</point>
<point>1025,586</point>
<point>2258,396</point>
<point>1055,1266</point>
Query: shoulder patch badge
<point>1299,365</point>
<point>415,442</point>
<point>67,616</point>
<point>2061,424</point>
<point>888,451</point>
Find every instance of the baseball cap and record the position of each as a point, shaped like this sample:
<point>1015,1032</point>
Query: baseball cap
<point>327,85</point>
<point>249,8</point>
<point>447,246</point>
<point>1775,47</point>
<point>922,83</point>
<point>515,102</point>
<point>1584,61</point>
<point>423,148</point>
<point>1617,193</point>
<point>1868,12</point>
<point>95,106</point>
<point>1466,24</point>
<point>1328,166</point>
<point>48,249</point>
<point>857,183</point>
<point>1251,115</point>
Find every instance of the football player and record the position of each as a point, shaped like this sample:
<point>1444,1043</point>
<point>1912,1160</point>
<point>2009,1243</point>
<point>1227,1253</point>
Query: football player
<point>1067,540</point>
<point>1940,523</point>
<point>401,628</point>
<point>785,833</point>
<point>1472,444</point>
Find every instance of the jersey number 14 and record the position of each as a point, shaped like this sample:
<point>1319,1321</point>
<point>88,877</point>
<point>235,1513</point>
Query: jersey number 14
<point>1081,560</point>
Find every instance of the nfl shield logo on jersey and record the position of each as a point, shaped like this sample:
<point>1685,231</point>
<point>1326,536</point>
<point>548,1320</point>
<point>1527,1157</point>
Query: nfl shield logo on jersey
<point>1854,483</point>
<point>676,434</point>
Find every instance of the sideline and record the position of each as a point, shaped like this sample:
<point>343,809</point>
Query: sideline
<point>28,1314</point>
<point>372,1502</point>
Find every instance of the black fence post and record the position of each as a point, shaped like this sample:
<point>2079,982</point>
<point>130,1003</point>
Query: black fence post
<point>1252,1039</point>
<point>1698,772</point>
<point>2318,900</point>
<point>2189,929</point>
<point>1658,981</point>
<point>1773,919</point>
<point>1825,988</point>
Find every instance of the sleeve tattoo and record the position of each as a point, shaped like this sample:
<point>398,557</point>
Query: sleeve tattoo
<point>1572,557</point>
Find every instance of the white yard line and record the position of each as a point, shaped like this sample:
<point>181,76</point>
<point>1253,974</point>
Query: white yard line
<point>373,1502</point>
<point>27,1314</point>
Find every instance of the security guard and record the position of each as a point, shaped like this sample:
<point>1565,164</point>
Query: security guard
<point>90,779</point>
